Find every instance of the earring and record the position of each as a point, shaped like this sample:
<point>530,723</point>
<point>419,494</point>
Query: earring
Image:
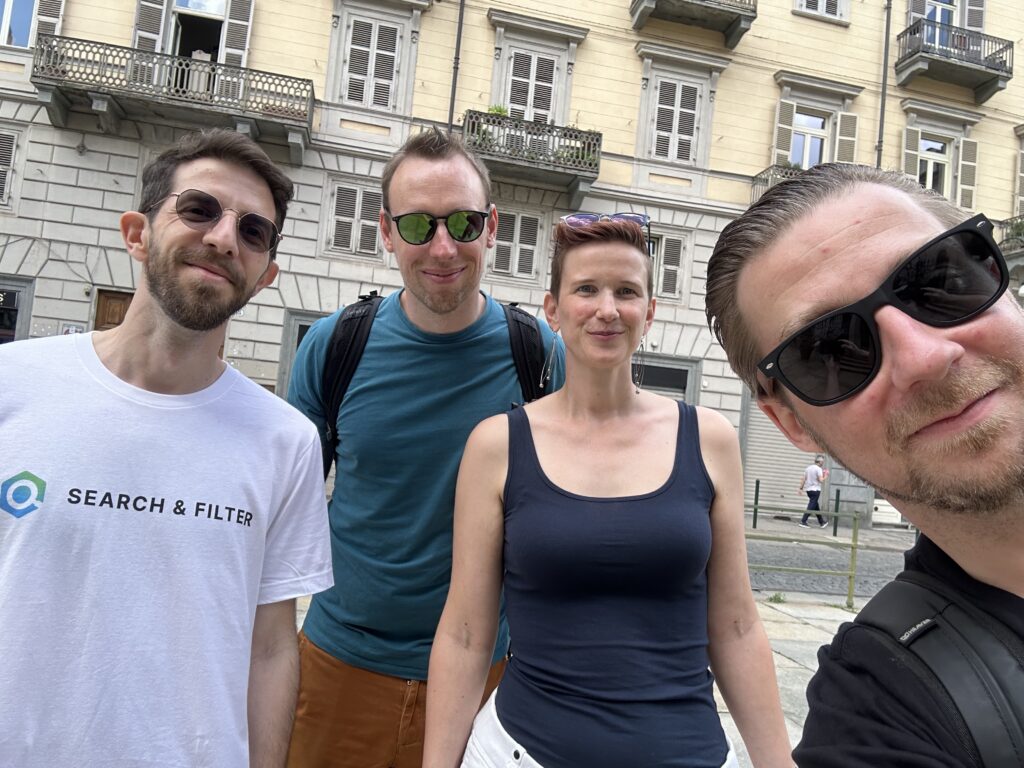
<point>549,366</point>
<point>638,366</point>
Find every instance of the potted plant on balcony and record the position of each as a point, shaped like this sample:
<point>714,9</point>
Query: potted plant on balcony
<point>480,137</point>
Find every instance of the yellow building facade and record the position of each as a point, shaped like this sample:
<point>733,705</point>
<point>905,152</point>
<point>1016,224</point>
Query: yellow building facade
<point>684,109</point>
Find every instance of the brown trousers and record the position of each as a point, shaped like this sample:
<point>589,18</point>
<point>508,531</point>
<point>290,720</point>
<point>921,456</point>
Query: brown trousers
<point>349,717</point>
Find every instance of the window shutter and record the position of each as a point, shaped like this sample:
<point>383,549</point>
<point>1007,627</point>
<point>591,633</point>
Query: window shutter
<point>344,217</point>
<point>1020,183</point>
<point>7,142</point>
<point>846,138</point>
<point>675,120</point>
<point>385,65</point>
<point>663,119</point>
<point>529,226</point>
<point>974,15</point>
<point>911,147</point>
<point>234,46</point>
<point>149,26</point>
<point>916,9</point>
<point>519,85</point>
<point>48,17</point>
<point>832,8</point>
<point>504,243</point>
<point>669,283</point>
<point>686,125</point>
<point>369,218</point>
<point>531,87</point>
<point>784,116</point>
<point>360,46</point>
<point>967,178</point>
<point>543,88</point>
<point>810,5</point>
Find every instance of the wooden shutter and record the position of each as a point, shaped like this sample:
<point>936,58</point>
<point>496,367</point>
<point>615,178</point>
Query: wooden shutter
<point>369,218</point>
<point>832,8</point>
<point>345,199</point>
<point>234,44</point>
<point>531,87</point>
<point>1020,183</point>
<point>675,121</point>
<point>385,65</point>
<point>911,149</point>
<point>149,26</point>
<point>810,5</point>
<point>360,49</point>
<point>372,63</point>
<point>784,115</point>
<point>916,9</point>
<point>846,138</point>
<point>967,177</point>
<point>529,226</point>
<point>505,243</point>
<point>670,268</point>
<point>7,143</point>
<point>48,17</point>
<point>974,15</point>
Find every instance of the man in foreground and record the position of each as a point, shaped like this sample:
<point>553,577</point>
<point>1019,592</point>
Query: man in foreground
<point>437,362</point>
<point>161,512</point>
<point>870,318</point>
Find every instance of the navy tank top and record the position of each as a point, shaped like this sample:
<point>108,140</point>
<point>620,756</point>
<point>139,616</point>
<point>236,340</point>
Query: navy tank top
<point>607,606</point>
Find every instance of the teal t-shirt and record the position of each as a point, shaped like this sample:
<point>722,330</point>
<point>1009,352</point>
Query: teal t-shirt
<point>402,427</point>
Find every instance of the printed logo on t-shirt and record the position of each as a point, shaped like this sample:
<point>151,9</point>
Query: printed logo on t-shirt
<point>22,494</point>
<point>134,502</point>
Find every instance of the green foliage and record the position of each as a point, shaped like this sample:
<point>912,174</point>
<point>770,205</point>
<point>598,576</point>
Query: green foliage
<point>498,109</point>
<point>778,597</point>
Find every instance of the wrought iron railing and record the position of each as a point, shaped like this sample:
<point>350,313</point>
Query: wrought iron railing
<point>116,69</point>
<point>957,43</point>
<point>769,177</point>
<point>560,147</point>
<point>1010,234</point>
<point>749,5</point>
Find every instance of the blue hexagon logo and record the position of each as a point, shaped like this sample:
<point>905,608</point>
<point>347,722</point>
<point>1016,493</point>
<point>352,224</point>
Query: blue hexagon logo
<point>22,494</point>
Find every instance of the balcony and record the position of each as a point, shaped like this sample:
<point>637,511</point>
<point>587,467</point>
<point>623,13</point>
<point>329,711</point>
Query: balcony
<point>730,17</point>
<point>539,152</point>
<point>769,177</point>
<point>955,55</point>
<point>1010,236</point>
<point>126,83</point>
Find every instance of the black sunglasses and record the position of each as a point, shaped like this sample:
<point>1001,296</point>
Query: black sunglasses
<point>419,228</point>
<point>946,282</point>
<point>200,210</point>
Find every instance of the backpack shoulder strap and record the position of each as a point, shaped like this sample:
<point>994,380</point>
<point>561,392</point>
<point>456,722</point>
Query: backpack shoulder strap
<point>348,341</point>
<point>956,642</point>
<point>527,351</point>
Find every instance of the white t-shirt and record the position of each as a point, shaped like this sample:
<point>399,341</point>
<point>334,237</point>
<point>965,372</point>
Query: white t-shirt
<point>138,533</point>
<point>813,476</point>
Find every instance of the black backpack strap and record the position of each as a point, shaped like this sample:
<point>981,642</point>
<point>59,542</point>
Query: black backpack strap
<point>527,344</point>
<point>348,341</point>
<point>967,651</point>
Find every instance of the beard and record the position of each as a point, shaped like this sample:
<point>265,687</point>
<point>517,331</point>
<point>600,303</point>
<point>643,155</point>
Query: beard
<point>197,307</point>
<point>962,492</point>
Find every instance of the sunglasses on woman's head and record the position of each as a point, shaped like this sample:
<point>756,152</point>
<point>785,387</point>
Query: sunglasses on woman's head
<point>946,282</point>
<point>419,228</point>
<point>201,210</point>
<point>580,220</point>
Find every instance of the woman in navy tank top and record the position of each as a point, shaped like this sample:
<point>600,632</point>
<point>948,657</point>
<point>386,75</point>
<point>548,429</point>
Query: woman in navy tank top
<point>612,519</point>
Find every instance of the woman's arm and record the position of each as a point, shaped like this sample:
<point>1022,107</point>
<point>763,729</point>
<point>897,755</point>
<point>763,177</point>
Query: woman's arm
<point>464,643</point>
<point>738,647</point>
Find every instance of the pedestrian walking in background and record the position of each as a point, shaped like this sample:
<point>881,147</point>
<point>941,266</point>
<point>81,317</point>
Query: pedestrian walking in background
<point>814,475</point>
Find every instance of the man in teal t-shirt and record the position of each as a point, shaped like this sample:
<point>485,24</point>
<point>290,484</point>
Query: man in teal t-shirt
<point>437,362</point>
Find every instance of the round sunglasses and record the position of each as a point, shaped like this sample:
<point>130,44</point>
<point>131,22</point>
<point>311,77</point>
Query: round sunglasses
<point>418,228</point>
<point>580,220</point>
<point>947,281</point>
<point>201,210</point>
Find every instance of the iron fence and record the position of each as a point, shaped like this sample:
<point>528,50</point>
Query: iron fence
<point>560,147</point>
<point>956,43</point>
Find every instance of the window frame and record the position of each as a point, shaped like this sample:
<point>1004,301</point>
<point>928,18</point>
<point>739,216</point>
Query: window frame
<point>814,96</point>
<point>659,238</point>
<point>330,219</point>
<point>943,123</point>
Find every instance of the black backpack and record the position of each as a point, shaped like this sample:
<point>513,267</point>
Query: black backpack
<point>348,341</point>
<point>978,660</point>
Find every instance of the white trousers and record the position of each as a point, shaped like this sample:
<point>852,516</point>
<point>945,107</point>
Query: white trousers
<point>490,746</point>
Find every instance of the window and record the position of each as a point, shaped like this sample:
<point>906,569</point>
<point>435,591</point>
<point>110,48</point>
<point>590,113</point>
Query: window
<point>810,137</point>
<point>371,64</point>
<point>8,143</point>
<point>937,151</point>
<point>355,223</point>
<point>813,121</point>
<point>826,9</point>
<point>515,247</point>
<point>531,86</point>
<point>677,89</point>
<point>669,261</point>
<point>21,20</point>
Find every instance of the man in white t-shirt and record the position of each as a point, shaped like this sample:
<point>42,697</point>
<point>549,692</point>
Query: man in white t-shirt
<point>159,512</point>
<point>811,485</point>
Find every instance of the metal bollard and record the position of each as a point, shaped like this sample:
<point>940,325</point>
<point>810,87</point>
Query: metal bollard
<point>835,516</point>
<point>853,559</point>
<point>757,493</point>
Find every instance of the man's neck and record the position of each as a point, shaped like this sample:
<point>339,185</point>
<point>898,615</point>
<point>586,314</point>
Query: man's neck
<point>990,548</point>
<point>429,321</point>
<point>150,352</point>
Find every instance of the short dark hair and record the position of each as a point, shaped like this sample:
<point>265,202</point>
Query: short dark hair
<point>604,231</point>
<point>766,221</point>
<point>220,144</point>
<point>433,144</point>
